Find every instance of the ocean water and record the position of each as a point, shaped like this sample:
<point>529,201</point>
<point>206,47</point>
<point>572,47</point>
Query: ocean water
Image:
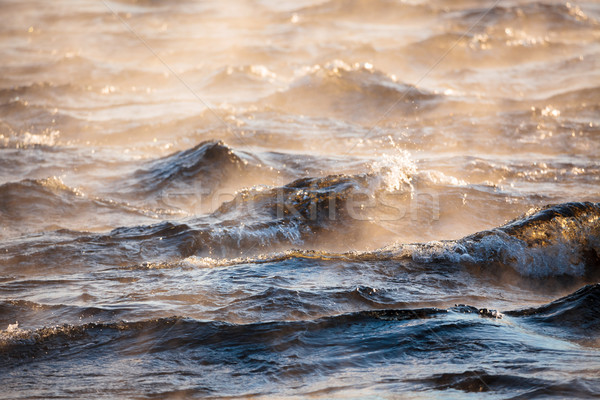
<point>299,199</point>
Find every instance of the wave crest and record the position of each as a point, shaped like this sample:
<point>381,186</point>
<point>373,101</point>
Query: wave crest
<point>555,240</point>
<point>354,91</point>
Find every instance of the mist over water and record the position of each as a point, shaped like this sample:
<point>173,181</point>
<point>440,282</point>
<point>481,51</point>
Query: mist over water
<point>328,199</point>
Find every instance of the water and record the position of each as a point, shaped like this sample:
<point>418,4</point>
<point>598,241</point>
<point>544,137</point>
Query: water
<point>324,199</point>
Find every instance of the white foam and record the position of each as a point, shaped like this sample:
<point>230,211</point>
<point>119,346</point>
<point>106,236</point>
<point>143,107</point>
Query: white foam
<point>395,170</point>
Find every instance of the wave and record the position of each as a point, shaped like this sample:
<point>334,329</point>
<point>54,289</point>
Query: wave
<point>307,213</point>
<point>358,92</point>
<point>85,70</point>
<point>252,77</point>
<point>481,381</point>
<point>281,304</point>
<point>51,314</point>
<point>267,246</point>
<point>557,240</point>
<point>507,36</point>
<point>299,213</point>
<point>481,51</point>
<point>381,10</point>
<point>49,204</point>
<point>293,351</point>
<point>560,241</point>
<point>37,90</point>
<point>25,125</point>
<point>577,105</point>
<point>549,224</point>
<point>577,312</point>
<point>587,95</point>
<point>534,17</point>
<point>205,165</point>
<point>185,332</point>
<point>484,170</point>
<point>574,316</point>
<point>200,179</point>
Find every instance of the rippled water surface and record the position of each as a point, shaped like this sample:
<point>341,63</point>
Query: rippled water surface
<point>323,199</point>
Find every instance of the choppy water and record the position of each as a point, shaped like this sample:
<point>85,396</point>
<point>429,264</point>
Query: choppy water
<point>325,199</point>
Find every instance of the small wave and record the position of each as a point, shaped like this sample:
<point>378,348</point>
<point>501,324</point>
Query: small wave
<point>204,165</point>
<point>47,204</point>
<point>574,105</point>
<point>575,315</point>
<point>38,90</point>
<point>141,3</point>
<point>281,304</point>
<point>588,95</point>
<point>13,311</point>
<point>251,76</point>
<point>17,130</point>
<point>381,10</point>
<point>24,140</point>
<point>484,170</point>
<point>477,381</point>
<point>195,180</point>
<point>534,17</point>
<point>481,51</point>
<point>358,92</point>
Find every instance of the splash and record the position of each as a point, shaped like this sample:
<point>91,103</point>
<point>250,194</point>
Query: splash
<point>396,170</point>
